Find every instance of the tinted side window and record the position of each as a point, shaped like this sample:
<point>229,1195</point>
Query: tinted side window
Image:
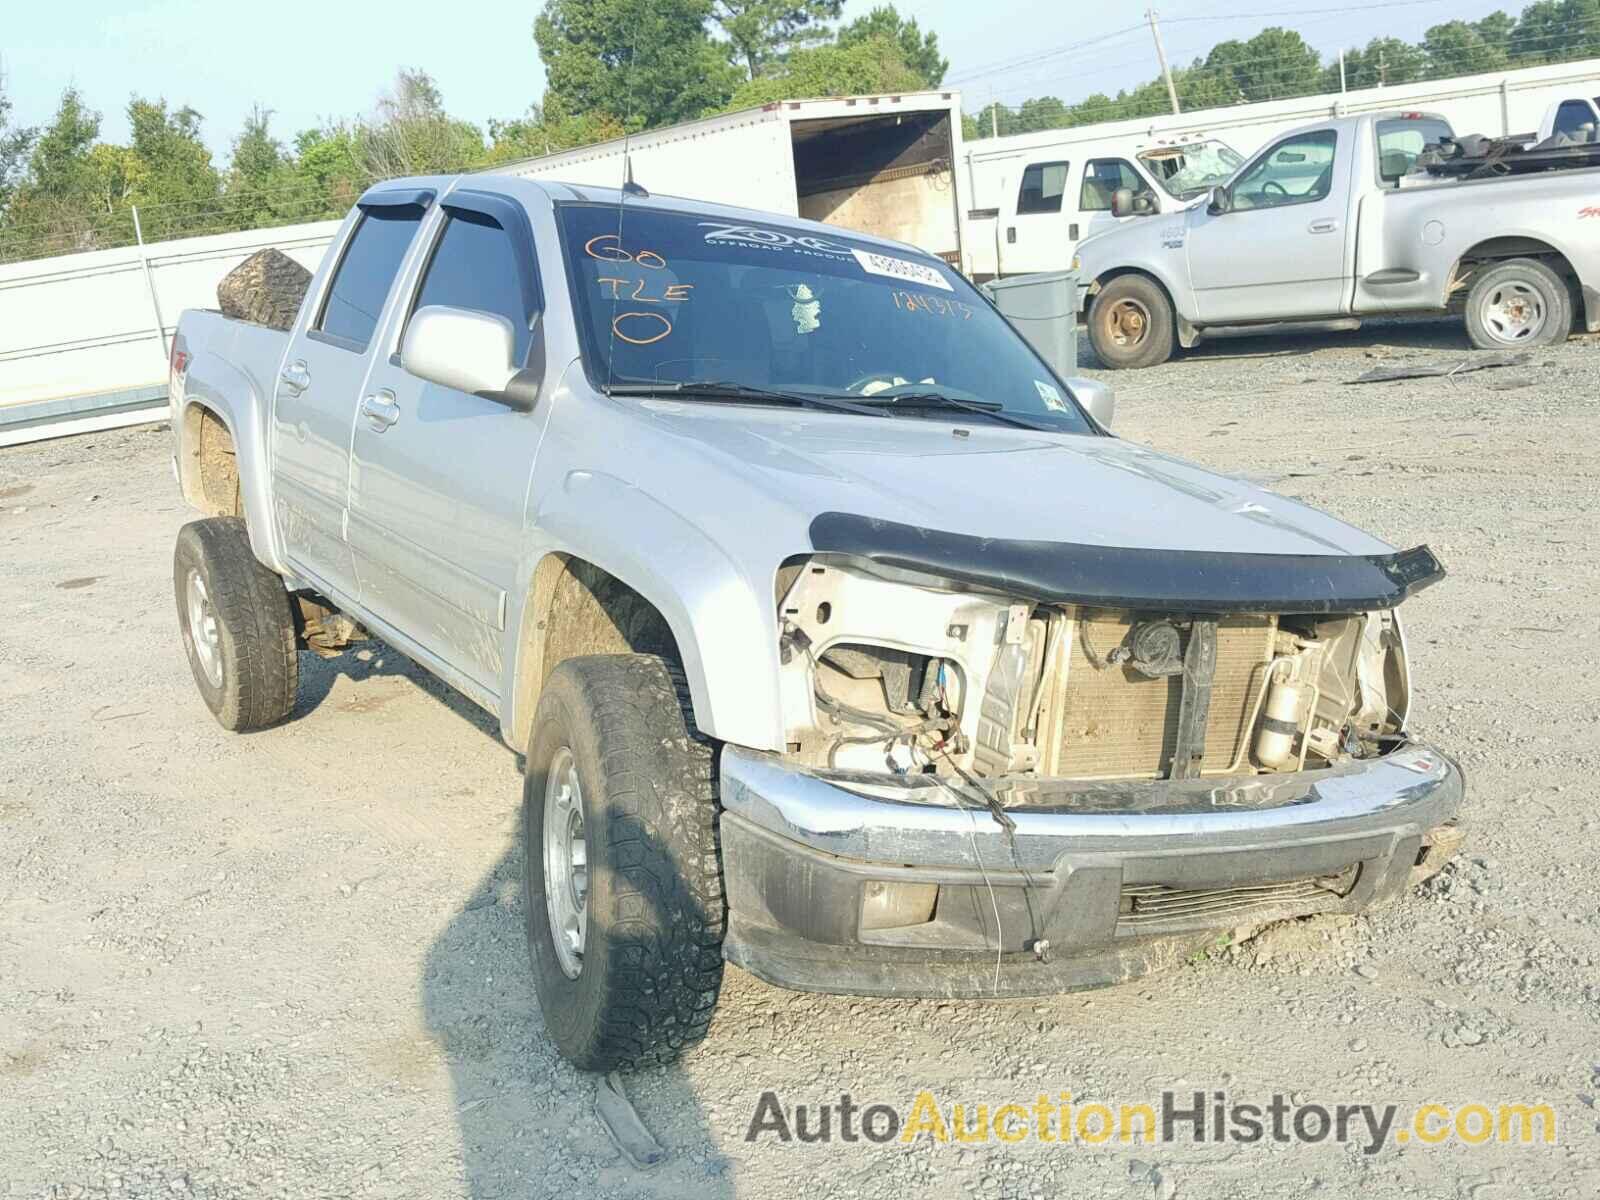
<point>1572,116</point>
<point>474,266</point>
<point>361,284</point>
<point>1042,185</point>
<point>1104,176</point>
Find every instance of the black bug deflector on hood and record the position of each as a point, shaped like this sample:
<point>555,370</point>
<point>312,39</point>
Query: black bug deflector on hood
<point>1177,581</point>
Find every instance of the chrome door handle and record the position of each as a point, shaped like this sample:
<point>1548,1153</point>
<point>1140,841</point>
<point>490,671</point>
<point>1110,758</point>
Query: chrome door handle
<point>296,377</point>
<point>380,410</point>
<point>1326,225</point>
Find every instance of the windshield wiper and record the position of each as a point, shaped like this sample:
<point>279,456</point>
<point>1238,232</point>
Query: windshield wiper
<point>938,400</point>
<point>729,390</point>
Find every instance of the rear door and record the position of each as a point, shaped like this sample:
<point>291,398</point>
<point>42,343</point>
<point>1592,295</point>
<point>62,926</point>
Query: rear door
<point>439,478</point>
<point>1280,250</point>
<point>1036,235</point>
<point>320,385</point>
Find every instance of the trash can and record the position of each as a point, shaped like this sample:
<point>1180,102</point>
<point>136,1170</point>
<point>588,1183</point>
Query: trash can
<point>1043,309</point>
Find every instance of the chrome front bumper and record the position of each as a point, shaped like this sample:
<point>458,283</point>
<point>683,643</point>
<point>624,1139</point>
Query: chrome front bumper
<point>1094,883</point>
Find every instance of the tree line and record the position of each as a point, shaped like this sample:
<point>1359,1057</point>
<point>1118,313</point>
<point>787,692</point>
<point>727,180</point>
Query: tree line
<point>1277,63</point>
<point>627,65</point>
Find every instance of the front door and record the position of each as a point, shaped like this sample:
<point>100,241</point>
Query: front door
<point>1102,178</point>
<point>439,478</point>
<point>1280,249</point>
<point>319,386</point>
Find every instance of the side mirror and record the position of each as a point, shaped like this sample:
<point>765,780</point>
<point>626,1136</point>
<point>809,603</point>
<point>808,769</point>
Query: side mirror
<point>1122,202</point>
<point>1096,397</point>
<point>1221,202</point>
<point>469,351</point>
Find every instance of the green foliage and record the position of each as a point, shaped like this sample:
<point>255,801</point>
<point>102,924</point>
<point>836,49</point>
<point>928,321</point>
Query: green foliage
<point>762,33</point>
<point>872,65</point>
<point>548,129</point>
<point>648,62</point>
<point>919,50</point>
<point>1457,48</point>
<point>168,170</point>
<point>1382,62</point>
<point>15,141</point>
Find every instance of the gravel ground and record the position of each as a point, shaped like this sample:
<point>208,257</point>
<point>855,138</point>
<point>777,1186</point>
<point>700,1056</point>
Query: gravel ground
<point>291,963</point>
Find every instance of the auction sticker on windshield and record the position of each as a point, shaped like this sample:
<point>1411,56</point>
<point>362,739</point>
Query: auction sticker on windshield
<point>900,268</point>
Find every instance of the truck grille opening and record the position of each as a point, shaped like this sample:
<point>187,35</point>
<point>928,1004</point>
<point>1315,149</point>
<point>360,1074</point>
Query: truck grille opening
<point>1156,903</point>
<point>1119,723</point>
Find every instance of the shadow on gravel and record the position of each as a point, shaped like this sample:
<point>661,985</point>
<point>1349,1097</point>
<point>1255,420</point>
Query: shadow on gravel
<point>372,660</point>
<point>526,1117</point>
<point>1444,334</point>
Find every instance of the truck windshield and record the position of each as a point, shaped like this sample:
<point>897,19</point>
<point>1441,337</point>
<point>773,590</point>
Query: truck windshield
<point>1191,170</point>
<point>681,298</point>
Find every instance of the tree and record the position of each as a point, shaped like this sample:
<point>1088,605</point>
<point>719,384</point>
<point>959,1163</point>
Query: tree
<point>15,142</point>
<point>873,65</point>
<point>649,62</point>
<point>1273,64</point>
<point>1382,62</point>
<point>1555,31</point>
<point>761,33</point>
<point>57,207</point>
<point>410,133</point>
<point>1457,48</point>
<point>919,50</point>
<point>326,166</point>
<point>170,173</point>
<point>548,129</point>
<point>259,187</point>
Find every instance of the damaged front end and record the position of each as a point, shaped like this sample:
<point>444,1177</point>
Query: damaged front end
<point>1023,767</point>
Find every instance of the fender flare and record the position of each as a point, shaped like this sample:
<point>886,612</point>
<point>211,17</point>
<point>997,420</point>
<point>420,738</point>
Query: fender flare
<point>229,394</point>
<point>724,622</point>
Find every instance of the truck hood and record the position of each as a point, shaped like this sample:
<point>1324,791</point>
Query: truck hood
<point>992,482</point>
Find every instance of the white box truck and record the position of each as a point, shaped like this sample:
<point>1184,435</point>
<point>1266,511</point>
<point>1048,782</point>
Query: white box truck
<point>878,164</point>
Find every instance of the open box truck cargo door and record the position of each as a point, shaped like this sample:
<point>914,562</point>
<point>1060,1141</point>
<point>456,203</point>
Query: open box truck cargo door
<point>887,173</point>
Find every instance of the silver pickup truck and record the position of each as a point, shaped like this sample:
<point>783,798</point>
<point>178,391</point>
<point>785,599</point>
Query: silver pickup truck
<point>842,639</point>
<point>1331,223</point>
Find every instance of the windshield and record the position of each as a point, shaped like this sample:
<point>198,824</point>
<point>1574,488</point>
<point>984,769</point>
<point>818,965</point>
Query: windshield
<point>1187,171</point>
<point>682,298</point>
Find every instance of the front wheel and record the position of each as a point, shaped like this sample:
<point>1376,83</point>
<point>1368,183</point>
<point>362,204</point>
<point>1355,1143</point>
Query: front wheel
<point>1518,304</point>
<point>624,898</point>
<point>1131,323</point>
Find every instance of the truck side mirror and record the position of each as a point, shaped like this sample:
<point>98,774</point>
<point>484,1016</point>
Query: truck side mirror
<point>469,351</point>
<point>1221,201</point>
<point>1122,202</point>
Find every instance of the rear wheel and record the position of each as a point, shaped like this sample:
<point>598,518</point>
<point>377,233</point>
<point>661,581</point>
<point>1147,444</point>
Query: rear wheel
<point>1518,304</point>
<point>1131,323</point>
<point>237,625</point>
<point>624,898</point>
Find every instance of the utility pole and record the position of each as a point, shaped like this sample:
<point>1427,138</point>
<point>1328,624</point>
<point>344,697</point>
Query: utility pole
<point>1341,72</point>
<point>1161,55</point>
<point>994,115</point>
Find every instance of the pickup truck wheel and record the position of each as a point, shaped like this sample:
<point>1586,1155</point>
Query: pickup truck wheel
<point>1131,323</point>
<point>237,625</point>
<point>1517,304</point>
<point>623,885</point>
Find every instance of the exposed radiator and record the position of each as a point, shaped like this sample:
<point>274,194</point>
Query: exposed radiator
<point>1117,723</point>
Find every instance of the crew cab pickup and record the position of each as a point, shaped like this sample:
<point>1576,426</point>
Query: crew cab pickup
<point>842,639</point>
<point>1331,223</point>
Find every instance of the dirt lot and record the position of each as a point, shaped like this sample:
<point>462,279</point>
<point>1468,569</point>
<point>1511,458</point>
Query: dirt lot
<point>291,964</point>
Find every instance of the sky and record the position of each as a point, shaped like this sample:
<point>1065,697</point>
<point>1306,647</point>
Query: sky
<point>311,60</point>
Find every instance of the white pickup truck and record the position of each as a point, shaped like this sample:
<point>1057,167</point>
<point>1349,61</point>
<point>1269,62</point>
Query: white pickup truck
<point>1331,223</point>
<point>843,641</point>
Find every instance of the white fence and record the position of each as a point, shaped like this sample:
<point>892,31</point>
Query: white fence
<point>83,337</point>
